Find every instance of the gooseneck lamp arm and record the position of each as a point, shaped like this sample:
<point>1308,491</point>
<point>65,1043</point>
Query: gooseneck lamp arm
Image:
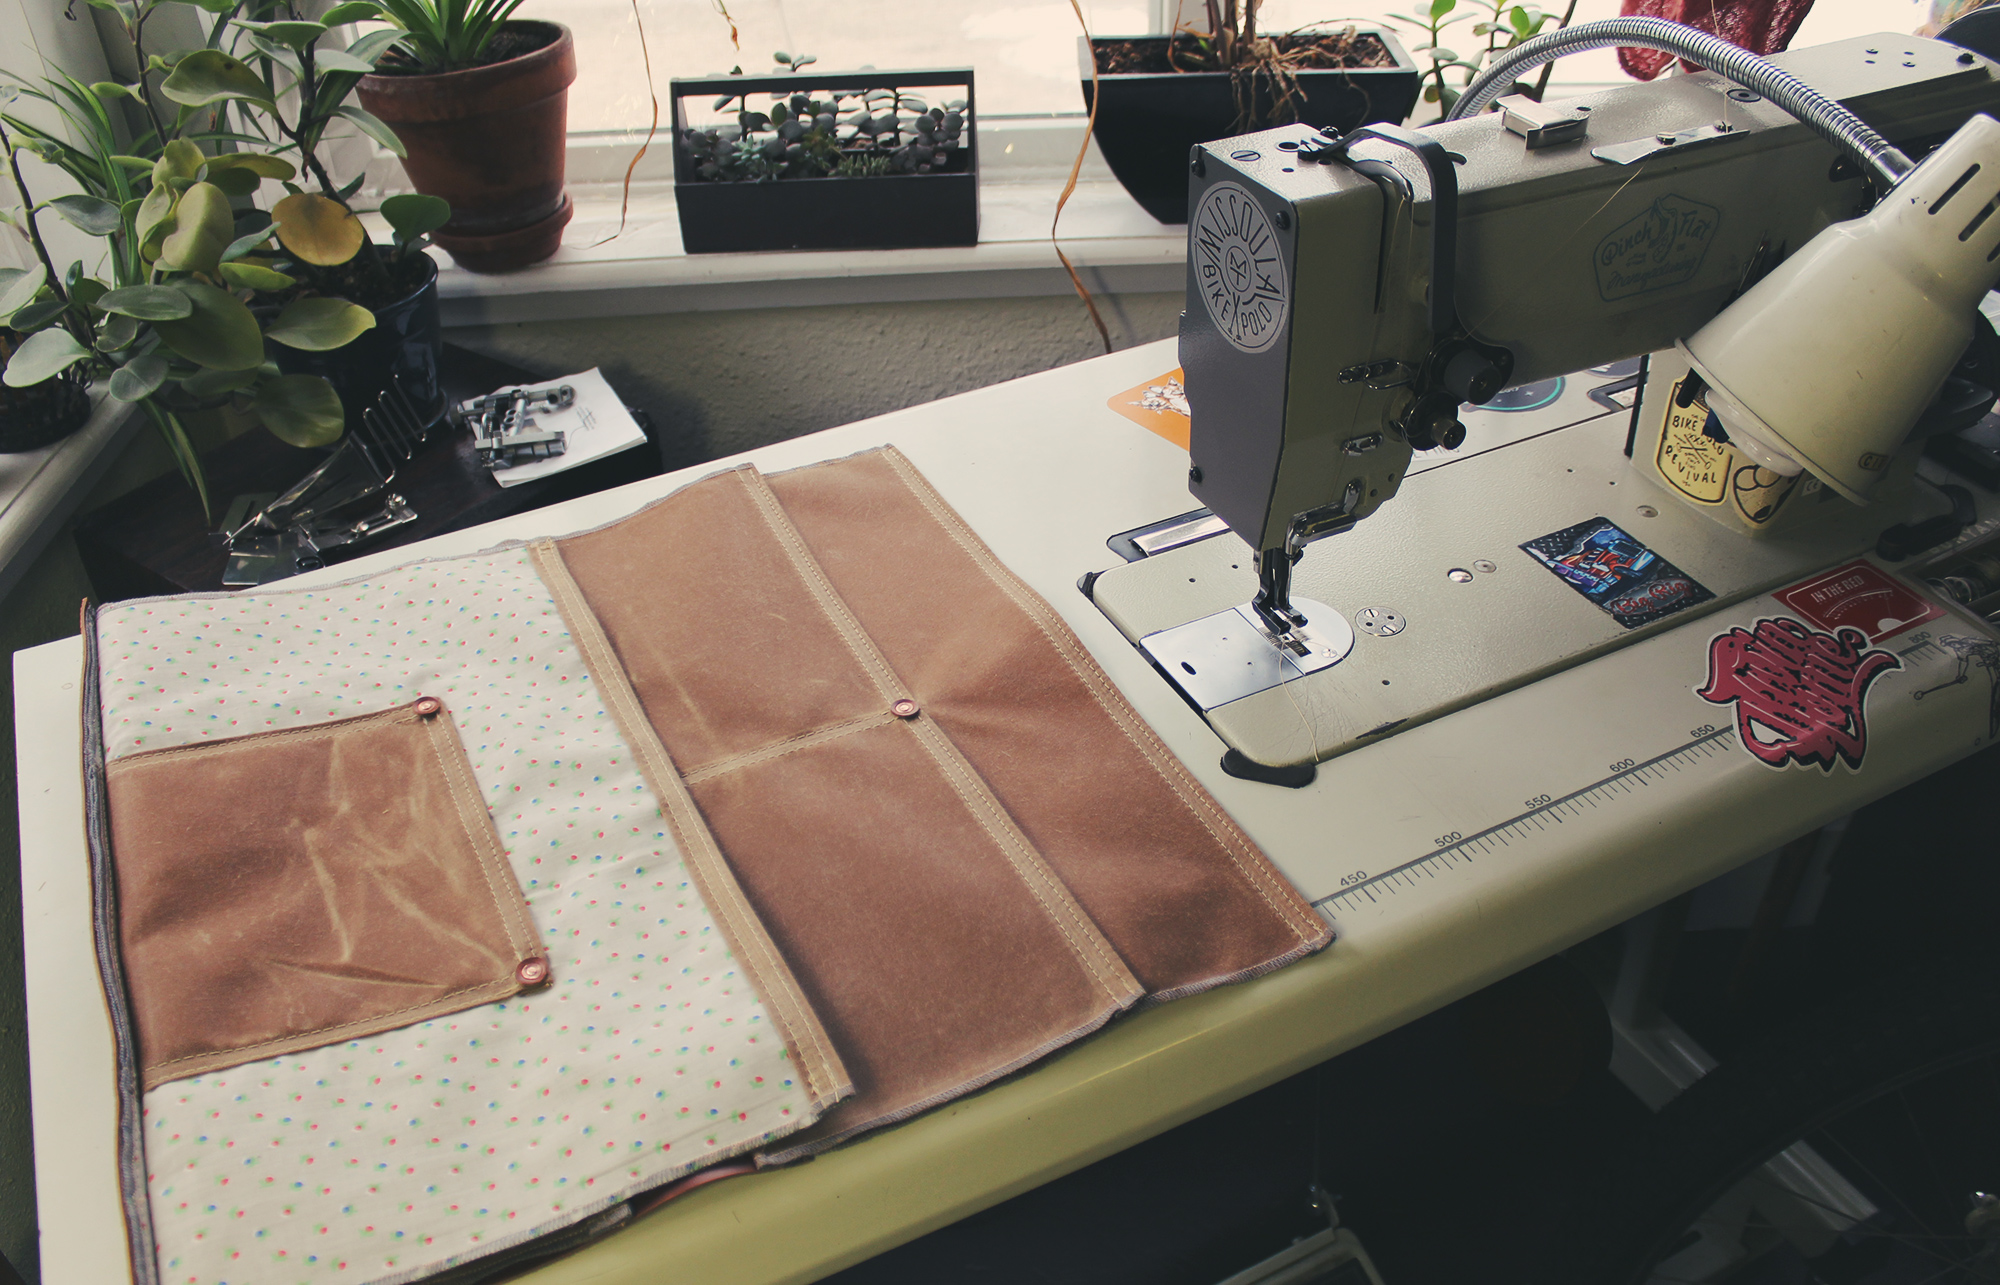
<point>1828,119</point>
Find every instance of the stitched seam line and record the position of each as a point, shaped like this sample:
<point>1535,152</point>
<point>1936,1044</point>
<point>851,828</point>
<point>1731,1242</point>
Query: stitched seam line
<point>1085,940</point>
<point>826,1077</point>
<point>1106,969</point>
<point>1201,807</point>
<point>251,740</point>
<point>477,822</point>
<point>790,745</point>
<point>859,644</point>
<point>318,1032</point>
<point>1224,831</point>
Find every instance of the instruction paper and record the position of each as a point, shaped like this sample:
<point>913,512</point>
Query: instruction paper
<point>595,425</point>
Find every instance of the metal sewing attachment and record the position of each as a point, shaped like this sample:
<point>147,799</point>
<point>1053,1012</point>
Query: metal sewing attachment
<point>345,500</point>
<point>503,425</point>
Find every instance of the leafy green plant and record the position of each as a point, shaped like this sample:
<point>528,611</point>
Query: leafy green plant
<point>857,133</point>
<point>447,35</point>
<point>1498,25</point>
<point>188,290</point>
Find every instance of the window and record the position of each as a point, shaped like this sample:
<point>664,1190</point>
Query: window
<point>1023,50</point>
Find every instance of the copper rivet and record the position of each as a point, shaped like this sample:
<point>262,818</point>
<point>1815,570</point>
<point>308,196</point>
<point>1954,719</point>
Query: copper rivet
<point>905,708</point>
<point>532,972</point>
<point>429,705</point>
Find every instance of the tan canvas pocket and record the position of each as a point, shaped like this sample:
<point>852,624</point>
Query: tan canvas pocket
<point>292,889</point>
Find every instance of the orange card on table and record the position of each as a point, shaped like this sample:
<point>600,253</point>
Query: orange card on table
<point>1160,404</point>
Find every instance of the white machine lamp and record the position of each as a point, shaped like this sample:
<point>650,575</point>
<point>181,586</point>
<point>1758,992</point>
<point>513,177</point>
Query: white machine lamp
<point>1827,363</point>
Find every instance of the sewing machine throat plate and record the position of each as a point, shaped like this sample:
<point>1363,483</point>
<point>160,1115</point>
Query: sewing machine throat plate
<point>1232,654</point>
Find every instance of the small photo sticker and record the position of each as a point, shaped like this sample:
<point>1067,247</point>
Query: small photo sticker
<point>1609,566</point>
<point>1160,405</point>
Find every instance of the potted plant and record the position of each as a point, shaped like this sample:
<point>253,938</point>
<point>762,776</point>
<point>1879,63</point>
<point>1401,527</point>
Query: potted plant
<point>41,414</point>
<point>480,104</point>
<point>191,302</point>
<point>1497,26</point>
<point>1155,97</point>
<point>321,242</point>
<point>801,160</point>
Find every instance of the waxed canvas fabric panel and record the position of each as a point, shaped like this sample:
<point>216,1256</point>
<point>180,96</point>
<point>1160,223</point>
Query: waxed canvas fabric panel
<point>650,1054</point>
<point>937,972</point>
<point>723,645</point>
<point>848,825</point>
<point>290,889</point>
<point>934,942</point>
<point>1185,896</point>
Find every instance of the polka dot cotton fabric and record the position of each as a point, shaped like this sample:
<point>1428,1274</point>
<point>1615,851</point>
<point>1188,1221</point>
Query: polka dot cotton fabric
<point>388,1158</point>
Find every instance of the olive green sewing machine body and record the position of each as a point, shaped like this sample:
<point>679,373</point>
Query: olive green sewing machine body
<point>1338,314</point>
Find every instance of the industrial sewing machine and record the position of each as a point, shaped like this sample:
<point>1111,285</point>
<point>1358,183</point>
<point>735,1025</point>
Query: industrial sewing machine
<point>1351,302</point>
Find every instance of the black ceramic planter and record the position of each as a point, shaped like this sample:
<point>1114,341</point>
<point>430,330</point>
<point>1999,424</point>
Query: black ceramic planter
<point>45,413</point>
<point>1150,121</point>
<point>885,212</point>
<point>404,344</point>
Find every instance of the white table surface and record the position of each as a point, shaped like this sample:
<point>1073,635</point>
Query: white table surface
<point>1044,472</point>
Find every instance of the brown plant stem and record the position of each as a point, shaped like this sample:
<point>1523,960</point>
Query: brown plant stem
<point>625,199</point>
<point>1542,81</point>
<point>1096,98</point>
<point>137,33</point>
<point>71,323</point>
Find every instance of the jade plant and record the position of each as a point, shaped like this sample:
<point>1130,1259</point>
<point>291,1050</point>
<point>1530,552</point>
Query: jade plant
<point>1497,26</point>
<point>193,283</point>
<point>836,133</point>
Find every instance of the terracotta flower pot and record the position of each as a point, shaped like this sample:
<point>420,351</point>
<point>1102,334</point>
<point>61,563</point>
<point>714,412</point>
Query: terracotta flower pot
<point>489,140</point>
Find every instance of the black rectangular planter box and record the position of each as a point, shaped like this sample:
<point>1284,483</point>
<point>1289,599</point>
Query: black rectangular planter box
<point>883,212</point>
<point>1149,121</point>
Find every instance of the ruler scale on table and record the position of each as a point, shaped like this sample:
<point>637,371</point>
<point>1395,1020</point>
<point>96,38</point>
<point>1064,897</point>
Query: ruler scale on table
<point>1542,814</point>
<point>1463,851</point>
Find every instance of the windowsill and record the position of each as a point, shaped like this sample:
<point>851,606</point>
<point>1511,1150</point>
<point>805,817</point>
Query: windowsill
<point>39,490</point>
<point>1116,246</point>
<point>1024,161</point>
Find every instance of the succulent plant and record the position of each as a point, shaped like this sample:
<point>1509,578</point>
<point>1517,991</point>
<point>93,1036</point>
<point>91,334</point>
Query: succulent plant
<point>844,133</point>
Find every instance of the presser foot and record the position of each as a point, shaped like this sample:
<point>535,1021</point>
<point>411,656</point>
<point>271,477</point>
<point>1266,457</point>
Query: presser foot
<point>1238,652</point>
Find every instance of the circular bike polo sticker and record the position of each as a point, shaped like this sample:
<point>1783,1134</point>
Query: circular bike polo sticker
<point>1239,267</point>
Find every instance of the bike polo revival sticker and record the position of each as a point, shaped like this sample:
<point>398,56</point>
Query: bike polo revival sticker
<point>1659,248</point>
<point>1800,693</point>
<point>1240,267</point>
<point>1612,569</point>
<point>1860,596</point>
<point>1701,466</point>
